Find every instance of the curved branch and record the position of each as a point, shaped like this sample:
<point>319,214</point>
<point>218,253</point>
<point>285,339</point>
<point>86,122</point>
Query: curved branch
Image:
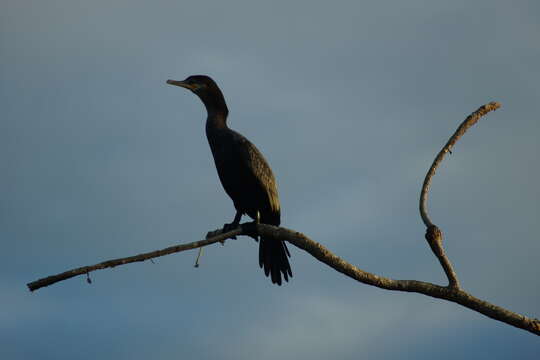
<point>442,292</point>
<point>326,256</point>
<point>434,235</point>
<point>465,125</point>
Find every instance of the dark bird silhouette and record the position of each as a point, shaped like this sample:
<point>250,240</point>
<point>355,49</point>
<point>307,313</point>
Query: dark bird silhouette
<point>244,174</point>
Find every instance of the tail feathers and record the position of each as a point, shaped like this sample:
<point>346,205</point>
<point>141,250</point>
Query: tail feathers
<point>273,258</point>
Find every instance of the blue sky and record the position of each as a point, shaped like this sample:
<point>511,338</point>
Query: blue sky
<point>349,101</point>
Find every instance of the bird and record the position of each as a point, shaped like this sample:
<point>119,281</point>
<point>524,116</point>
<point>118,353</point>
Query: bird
<point>244,174</point>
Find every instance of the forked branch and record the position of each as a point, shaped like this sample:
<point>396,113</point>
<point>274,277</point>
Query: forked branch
<point>434,235</point>
<point>326,256</point>
<point>452,292</point>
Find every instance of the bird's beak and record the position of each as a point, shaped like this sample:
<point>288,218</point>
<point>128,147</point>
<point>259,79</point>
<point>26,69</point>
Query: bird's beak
<point>181,84</point>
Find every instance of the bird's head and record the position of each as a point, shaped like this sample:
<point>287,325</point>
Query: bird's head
<point>196,83</point>
<point>206,89</point>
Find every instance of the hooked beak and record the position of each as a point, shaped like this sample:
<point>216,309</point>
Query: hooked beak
<point>181,84</point>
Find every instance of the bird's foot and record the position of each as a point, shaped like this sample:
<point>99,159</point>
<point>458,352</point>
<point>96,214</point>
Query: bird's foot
<point>229,227</point>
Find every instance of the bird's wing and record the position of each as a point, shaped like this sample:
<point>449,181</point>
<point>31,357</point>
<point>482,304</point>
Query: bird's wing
<point>257,165</point>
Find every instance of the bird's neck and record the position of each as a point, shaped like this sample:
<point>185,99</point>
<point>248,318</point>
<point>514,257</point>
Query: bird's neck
<point>216,121</point>
<point>216,107</point>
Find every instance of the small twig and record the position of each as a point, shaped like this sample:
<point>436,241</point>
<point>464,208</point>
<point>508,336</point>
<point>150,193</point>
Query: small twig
<point>198,257</point>
<point>434,235</point>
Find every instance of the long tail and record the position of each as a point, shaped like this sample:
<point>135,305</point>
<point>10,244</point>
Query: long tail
<point>273,258</point>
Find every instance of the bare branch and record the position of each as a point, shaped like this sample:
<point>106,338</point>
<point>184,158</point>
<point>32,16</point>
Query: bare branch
<point>326,256</point>
<point>49,280</point>
<point>434,235</point>
<point>442,292</point>
<point>465,125</point>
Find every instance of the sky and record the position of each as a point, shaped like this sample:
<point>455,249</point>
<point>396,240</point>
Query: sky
<point>349,101</point>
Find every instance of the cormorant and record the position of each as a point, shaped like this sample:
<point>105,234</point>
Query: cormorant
<point>244,174</point>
